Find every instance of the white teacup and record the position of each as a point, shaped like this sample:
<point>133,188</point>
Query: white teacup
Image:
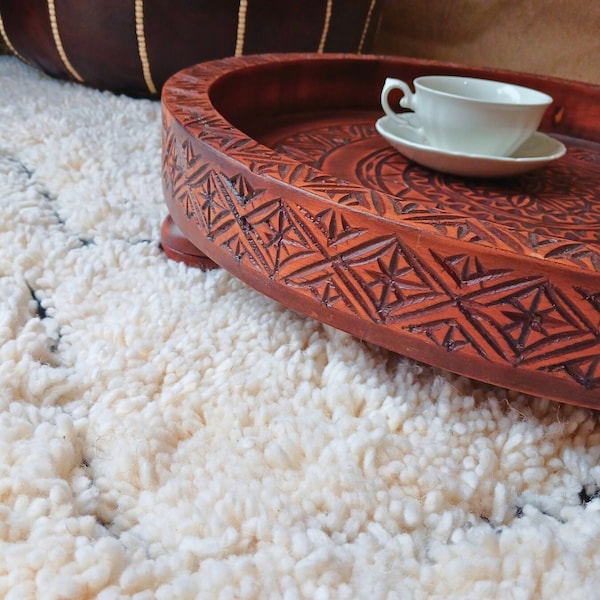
<point>470,115</point>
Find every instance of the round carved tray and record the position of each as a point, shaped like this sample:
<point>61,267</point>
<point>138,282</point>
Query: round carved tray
<point>272,167</point>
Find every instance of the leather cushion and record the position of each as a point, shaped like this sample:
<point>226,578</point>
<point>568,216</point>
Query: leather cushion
<point>133,46</point>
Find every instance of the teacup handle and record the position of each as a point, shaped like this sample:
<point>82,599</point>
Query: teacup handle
<point>408,101</point>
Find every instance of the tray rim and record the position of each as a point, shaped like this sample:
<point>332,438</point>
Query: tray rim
<point>217,132</point>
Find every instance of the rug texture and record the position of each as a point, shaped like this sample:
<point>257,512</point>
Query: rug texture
<point>169,433</point>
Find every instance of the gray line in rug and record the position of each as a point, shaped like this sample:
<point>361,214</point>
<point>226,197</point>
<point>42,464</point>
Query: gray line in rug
<point>42,313</point>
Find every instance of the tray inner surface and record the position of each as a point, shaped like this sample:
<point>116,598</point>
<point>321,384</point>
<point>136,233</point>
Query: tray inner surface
<point>323,114</point>
<point>560,198</point>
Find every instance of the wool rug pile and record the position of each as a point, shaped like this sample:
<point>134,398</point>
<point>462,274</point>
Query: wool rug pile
<point>170,433</point>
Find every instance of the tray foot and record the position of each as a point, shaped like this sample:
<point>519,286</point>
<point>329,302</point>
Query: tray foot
<point>177,247</point>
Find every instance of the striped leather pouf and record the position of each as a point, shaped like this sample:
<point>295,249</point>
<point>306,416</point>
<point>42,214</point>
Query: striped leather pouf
<point>133,46</point>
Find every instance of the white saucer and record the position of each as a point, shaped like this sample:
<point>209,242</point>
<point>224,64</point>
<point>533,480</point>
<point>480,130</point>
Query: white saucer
<point>401,132</point>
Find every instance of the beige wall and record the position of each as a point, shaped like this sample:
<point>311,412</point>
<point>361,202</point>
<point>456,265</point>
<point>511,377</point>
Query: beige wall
<point>551,37</point>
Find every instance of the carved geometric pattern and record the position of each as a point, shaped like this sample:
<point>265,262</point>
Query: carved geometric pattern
<point>456,301</point>
<point>505,211</point>
<point>439,202</point>
<point>362,242</point>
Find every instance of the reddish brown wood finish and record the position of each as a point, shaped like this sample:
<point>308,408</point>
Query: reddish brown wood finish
<point>272,167</point>
<point>177,247</point>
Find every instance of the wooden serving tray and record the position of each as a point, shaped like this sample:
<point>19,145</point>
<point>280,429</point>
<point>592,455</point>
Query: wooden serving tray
<point>272,168</point>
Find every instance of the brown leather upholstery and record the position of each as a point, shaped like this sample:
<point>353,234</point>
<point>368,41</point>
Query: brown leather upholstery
<point>133,46</point>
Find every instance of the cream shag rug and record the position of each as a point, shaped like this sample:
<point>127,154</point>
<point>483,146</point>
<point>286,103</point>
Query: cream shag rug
<point>168,433</point>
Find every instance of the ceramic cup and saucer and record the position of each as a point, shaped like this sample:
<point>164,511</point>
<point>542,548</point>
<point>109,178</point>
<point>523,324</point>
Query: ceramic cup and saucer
<point>469,127</point>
